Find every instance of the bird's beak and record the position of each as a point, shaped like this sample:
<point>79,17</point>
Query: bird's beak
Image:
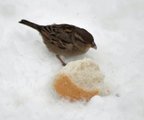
<point>93,45</point>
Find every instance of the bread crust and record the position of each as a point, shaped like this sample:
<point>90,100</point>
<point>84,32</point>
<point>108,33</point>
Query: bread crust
<point>65,86</point>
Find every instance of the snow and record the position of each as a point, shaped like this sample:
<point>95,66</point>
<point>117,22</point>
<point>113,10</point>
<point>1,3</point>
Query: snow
<point>27,68</point>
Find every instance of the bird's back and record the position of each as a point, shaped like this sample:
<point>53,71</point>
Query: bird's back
<point>63,39</point>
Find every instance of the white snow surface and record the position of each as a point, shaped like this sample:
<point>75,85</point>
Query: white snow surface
<point>27,68</point>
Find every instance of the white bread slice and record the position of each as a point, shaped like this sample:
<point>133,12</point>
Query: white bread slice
<point>79,79</point>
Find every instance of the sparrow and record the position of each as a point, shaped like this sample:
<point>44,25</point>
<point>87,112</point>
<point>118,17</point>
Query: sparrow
<point>64,39</point>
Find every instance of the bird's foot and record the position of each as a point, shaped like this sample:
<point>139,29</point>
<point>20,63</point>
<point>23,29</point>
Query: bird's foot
<point>63,63</point>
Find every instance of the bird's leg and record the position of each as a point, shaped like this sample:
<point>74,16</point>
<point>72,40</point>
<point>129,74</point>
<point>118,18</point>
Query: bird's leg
<point>63,63</point>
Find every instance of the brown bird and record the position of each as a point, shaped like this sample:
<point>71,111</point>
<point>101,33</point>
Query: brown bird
<point>64,39</point>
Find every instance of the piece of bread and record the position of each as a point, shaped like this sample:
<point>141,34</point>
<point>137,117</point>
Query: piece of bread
<point>81,79</point>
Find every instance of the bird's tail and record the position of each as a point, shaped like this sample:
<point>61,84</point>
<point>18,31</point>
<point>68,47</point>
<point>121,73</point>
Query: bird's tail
<point>30,24</point>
